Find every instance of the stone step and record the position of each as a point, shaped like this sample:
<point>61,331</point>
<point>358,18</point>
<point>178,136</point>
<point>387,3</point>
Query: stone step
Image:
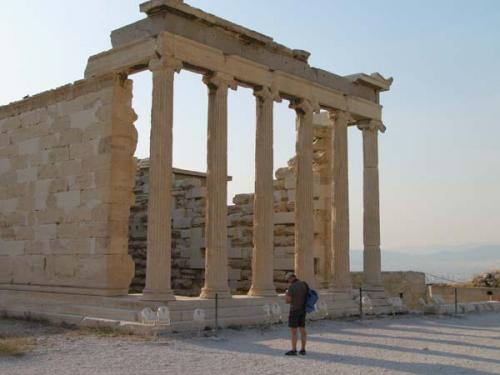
<point>56,318</point>
<point>124,311</point>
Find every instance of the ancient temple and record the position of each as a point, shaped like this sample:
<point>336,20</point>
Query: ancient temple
<point>67,176</point>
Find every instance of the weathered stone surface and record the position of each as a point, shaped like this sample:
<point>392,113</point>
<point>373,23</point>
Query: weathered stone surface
<point>187,230</point>
<point>411,285</point>
<point>47,204</point>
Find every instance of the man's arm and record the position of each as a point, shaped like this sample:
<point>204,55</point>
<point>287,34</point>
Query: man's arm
<point>288,294</point>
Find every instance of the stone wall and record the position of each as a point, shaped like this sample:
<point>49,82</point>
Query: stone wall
<point>464,294</point>
<point>66,178</point>
<point>188,219</point>
<point>410,284</point>
<point>240,232</point>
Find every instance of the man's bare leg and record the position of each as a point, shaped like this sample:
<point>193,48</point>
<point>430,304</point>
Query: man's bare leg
<point>294,339</point>
<point>303,337</point>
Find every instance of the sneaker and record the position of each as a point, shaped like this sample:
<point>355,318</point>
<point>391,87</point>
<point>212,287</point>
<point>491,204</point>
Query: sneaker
<point>291,352</point>
<point>302,352</point>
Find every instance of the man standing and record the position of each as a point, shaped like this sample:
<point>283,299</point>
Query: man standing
<point>296,296</point>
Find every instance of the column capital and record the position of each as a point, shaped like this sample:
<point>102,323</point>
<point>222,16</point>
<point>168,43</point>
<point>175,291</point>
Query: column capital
<point>371,125</point>
<point>217,79</point>
<point>165,63</point>
<point>305,105</point>
<point>267,93</point>
<point>338,115</point>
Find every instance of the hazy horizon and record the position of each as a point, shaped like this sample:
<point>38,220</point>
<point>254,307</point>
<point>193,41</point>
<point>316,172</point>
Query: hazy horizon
<point>440,156</point>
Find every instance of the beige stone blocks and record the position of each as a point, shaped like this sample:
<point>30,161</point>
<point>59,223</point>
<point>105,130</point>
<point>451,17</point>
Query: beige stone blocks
<point>12,247</point>
<point>8,205</point>
<point>6,170</point>
<point>6,268</point>
<point>68,199</point>
<point>65,189</point>
<point>103,272</point>
<point>45,231</point>
<point>83,119</point>
<point>27,175</point>
<point>58,154</point>
<point>82,182</point>
<point>30,146</point>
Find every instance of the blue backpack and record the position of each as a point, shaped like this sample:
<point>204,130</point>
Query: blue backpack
<point>311,299</point>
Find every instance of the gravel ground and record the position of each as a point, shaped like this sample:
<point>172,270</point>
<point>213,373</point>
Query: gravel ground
<point>404,345</point>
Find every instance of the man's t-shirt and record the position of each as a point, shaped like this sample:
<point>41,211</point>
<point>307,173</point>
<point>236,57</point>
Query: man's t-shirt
<point>298,295</point>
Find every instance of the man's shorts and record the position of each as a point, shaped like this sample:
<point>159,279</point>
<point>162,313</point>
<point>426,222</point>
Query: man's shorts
<point>297,319</point>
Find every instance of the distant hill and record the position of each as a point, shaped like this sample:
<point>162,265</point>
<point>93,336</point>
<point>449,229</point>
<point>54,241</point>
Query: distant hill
<point>459,264</point>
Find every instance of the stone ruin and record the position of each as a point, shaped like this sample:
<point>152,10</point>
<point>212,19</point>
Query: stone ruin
<point>67,176</point>
<point>188,213</point>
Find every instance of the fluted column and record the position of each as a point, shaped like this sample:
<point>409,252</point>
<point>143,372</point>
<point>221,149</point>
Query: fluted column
<point>263,224</point>
<point>304,219</point>
<point>325,175</point>
<point>371,215</point>
<point>158,268</point>
<point>340,203</point>
<point>216,262</point>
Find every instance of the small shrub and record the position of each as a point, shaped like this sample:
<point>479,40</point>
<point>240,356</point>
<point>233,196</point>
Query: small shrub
<point>15,346</point>
<point>106,331</point>
<point>489,279</point>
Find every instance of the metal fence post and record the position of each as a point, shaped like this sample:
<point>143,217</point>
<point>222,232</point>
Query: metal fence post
<point>216,313</point>
<point>456,302</point>
<point>361,303</point>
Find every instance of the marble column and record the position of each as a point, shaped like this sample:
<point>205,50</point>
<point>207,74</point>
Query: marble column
<point>325,174</point>
<point>158,268</point>
<point>340,203</point>
<point>216,253</point>
<point>371,214</point>
<point>304,218</point>
<point>263,225</point>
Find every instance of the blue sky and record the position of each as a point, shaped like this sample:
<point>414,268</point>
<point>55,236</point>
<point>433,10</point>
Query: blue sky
<point>440,157</point>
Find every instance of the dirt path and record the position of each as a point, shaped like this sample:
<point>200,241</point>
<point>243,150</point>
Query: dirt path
<point>407,345</point>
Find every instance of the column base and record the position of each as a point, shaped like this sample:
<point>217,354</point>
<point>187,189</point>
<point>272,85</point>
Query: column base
<point>210,293</point>
<point>262,292</point>
<point>340,289</point>
<point>164,295</point>
<point>341,284</point>
<point>373,287</point>
<point>324,285</point>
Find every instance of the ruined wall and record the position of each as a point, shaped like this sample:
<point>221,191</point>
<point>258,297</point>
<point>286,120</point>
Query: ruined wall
<point>240,221</point>
<point>410,284</point>
<point>464,294</point>
<point>188,191</point>
<point>66,178</point>
<point>188,219</point>
<point>240,232</point>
